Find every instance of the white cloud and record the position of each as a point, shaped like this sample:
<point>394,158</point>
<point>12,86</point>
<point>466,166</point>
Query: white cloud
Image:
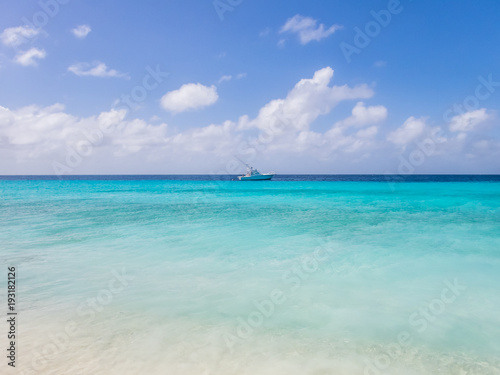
<point>340,141</point>
<point>362,115</point>
<point>189,97</point>
<point>468,121</point>
<point>225,78</point>
<point>409,131</point>
<point>95,69</point>
<point>81,31</point>
<point>379,64</point>
<point>15,36</point>
<point>50,131</point>
<point>309,99</point>
<point>368,132</point>
<point>28,58</point>
<point>285,124</point>
<point>307,29</point>
<point>230,77</point>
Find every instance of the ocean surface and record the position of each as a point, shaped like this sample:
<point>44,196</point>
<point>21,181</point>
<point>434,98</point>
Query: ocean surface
<point>309,275</point>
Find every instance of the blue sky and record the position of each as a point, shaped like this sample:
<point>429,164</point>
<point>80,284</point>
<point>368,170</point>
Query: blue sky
<point>189,86</point>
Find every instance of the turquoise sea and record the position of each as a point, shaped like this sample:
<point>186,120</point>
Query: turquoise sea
<point>301,275</point>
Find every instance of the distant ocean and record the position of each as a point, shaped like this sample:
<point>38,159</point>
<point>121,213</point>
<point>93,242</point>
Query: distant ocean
<point>309,275</point>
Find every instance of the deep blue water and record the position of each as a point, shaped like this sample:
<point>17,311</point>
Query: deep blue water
<point>287,177</point>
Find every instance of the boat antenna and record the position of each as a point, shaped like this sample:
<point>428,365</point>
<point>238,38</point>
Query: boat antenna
<point>242,162</point>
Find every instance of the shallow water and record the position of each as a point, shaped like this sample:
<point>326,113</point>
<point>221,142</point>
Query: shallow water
<point>221,277</point>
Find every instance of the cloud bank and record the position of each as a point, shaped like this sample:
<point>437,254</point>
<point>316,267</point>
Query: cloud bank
<point>283,135</point>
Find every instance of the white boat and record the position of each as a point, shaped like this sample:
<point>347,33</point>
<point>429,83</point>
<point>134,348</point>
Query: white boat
<point>254,175</point>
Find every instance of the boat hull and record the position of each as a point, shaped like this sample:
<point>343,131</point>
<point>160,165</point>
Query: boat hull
<point>260,177</point>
